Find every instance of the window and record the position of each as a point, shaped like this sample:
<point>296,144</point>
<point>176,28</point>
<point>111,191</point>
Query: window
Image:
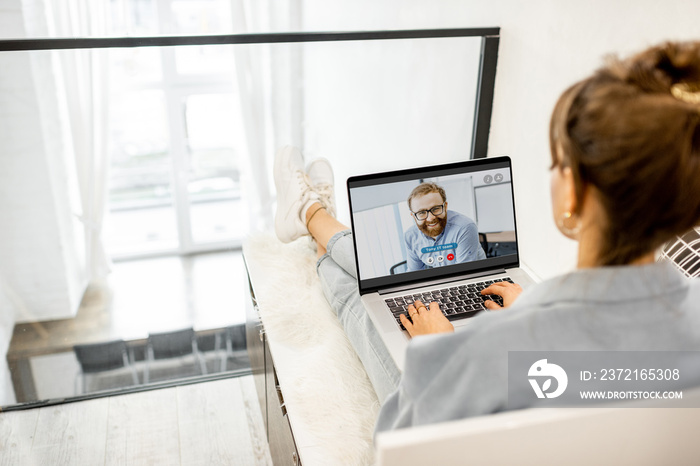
<point>175,134</point>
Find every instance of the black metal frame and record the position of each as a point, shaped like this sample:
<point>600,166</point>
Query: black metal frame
<point>261,38</point>
<point>482,112</point>
<point>484,96</point>
<point>127,390</point>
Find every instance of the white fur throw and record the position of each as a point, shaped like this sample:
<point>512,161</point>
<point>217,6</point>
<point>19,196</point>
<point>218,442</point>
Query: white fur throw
<point>325,385</point>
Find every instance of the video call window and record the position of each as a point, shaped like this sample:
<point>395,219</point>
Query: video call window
<point>475,222</point>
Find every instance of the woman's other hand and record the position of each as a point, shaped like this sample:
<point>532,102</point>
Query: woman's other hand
<point>506,290</point>
<point>425,320</point>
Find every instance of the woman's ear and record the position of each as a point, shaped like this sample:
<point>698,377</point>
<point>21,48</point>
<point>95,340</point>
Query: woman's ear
<point>570,203</point>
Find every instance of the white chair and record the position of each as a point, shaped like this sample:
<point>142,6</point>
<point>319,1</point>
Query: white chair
<point>555,436</point>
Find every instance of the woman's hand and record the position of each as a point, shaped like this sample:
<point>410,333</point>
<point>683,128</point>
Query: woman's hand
<point>506,290</point>
<point>426,320</point>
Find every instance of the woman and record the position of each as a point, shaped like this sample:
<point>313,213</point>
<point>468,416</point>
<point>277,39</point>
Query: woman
<point>625,178</point>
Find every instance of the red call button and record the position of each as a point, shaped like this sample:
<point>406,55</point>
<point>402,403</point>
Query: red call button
<point>450,257</point>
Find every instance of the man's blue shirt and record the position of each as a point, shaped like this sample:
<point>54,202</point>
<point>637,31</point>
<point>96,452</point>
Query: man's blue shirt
<point>458,242</point>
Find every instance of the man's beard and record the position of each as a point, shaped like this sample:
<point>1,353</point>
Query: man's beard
<point>435,229</point>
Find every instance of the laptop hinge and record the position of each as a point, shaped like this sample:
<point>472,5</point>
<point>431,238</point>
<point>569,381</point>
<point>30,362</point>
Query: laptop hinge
<point>440,281</point>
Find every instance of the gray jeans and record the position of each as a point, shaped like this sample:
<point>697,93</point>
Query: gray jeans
<point>338,276</point>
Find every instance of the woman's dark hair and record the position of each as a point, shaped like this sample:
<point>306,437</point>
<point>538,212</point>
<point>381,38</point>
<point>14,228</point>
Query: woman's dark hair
<point>632,132</point>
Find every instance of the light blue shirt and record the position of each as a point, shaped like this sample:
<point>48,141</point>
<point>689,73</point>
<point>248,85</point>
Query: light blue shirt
<point>621,308</point>
<point>459,242</point>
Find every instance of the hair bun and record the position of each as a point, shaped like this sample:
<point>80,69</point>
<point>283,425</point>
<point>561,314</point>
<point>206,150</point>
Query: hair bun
<point>657,69</point>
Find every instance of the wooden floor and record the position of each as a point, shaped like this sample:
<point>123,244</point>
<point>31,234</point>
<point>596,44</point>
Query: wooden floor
<point>208,423</point>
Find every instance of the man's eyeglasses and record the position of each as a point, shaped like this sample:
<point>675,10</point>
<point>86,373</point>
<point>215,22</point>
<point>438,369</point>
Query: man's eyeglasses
<point>436,211</point>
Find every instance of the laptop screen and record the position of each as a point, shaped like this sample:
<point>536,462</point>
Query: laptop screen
<point>433,222</point>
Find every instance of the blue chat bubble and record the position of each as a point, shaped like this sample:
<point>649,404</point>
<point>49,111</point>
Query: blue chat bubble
<point>440,247</point>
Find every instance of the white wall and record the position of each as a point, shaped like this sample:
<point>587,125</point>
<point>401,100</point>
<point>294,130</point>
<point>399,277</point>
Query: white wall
<point>545,46</point>
<point>388,104</point>
<point>42,270</point>
<point>11,26</point>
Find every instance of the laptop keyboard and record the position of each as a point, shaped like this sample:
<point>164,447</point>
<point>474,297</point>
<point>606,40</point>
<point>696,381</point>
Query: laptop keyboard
<point>457,302</point>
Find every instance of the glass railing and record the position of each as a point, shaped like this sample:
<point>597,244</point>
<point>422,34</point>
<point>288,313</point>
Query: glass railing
<point>161,146</point>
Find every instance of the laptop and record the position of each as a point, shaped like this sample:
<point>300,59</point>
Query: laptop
<point>432,250</point>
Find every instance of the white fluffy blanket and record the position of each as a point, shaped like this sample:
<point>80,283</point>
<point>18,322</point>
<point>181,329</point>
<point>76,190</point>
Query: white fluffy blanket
<point>325,386</point>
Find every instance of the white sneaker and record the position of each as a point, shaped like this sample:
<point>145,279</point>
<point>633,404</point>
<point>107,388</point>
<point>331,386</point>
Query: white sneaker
<point>321,175</point>
<point>294,194</point>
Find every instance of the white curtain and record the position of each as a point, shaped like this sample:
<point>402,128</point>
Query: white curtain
<point>84,77</point>
<point>269,81</point>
